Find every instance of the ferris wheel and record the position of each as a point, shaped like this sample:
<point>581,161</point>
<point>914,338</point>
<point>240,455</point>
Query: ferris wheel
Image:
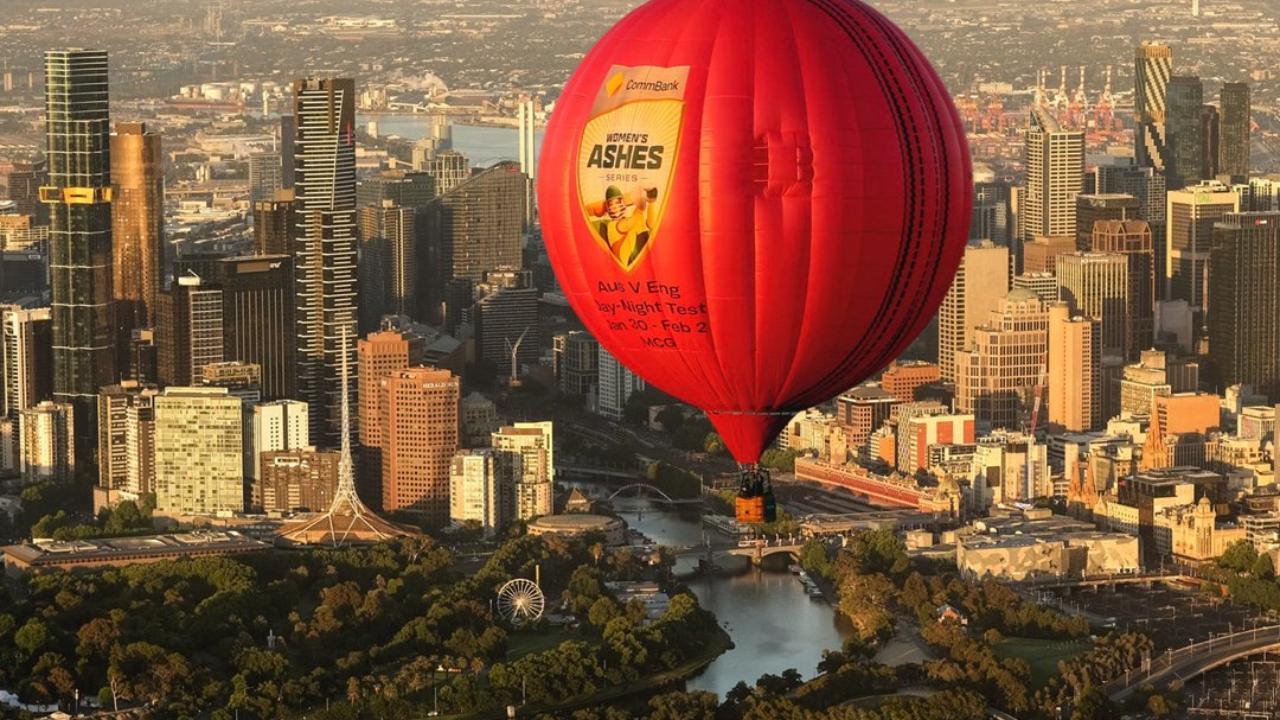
<point>520,602</point>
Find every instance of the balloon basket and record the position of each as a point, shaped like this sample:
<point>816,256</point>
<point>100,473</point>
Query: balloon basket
<point>755,503</point>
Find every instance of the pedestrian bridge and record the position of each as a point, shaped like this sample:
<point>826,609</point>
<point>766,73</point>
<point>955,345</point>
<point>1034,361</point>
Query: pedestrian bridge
<point>1196,659</point>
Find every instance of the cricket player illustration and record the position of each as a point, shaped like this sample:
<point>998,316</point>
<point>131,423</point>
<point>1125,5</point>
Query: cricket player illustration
<point>625,226</point>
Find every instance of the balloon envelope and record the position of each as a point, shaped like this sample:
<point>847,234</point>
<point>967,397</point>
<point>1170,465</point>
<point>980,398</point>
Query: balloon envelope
<point>755,204</point>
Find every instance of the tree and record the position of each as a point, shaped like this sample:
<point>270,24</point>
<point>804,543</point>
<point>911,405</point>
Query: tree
<point>1239,557</point>
<point>32,637</point>
<point>683,706</point>
<point>671,418</point>
<point>1263,568</point>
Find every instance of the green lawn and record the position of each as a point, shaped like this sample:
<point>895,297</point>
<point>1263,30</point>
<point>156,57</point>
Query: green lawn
<point>520,644</point>
<point>1042,655</point>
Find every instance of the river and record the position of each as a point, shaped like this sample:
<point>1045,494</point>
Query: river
<point>483,145</point>
<point>774,625</point>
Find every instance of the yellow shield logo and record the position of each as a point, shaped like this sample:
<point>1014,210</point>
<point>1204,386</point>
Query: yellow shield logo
<point>625,157</point>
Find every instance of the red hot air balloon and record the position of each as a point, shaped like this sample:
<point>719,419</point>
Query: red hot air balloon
<point>754,205</point>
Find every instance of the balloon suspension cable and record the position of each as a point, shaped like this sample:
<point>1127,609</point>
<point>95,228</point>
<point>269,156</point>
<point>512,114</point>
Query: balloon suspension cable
<point>753,480</point>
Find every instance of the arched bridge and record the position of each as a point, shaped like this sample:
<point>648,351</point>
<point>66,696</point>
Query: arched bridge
<point>1198,658</point>
<point>761,548</point>
<point>652,489</point>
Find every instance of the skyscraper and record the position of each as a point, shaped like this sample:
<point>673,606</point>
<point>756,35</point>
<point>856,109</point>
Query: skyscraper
<point>189,330</point>
<point>278,425</point>
<point>324,244</point>
<point>617,383</point>
<point>1153,68</point>
<point>1093,207</point>
<point>46,442</point>
<point>378,355</point>
<point>288,164</point>
<point>505,315</point>
<point>481,487</point>
<point>26,351</point>
<point>1004,362</point>
<point>199,452</point>
<point>534,443</point>
<point>1235,123</point>
<point>576,362</point>
<point>1055,175</point>
<point>1191,214</point>
<point>419,438</point>
<point>258,320</point>
<point>265,171</point>
<point>137,231</point>
<point>388,263</point>
<point>403,188</point>
<point>992,217</point>
<point>1096,285</point>
<point>272,224</point>
<point>980,282</point>
<point>449,168</point>
<point>1244,302</point>
<point>1074,383</point>
<point>125,435</point>
<point>1210,145</point>
<point>1184,100</point>
<point>528,152</point>
<point>472,229</point>
<point>78,146</point>
<point>1134,240</point>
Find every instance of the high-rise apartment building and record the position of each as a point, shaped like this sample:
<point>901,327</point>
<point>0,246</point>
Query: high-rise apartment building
<point>980,282</point>
<point>482,487</point>
<point>1006,359</point>
<point>534,489</point>
<point>862,410</point>
<point>189,330</point>
<point>1054,177</point>
<point>1184,99</point>
<point>388,263</point>
<point>1075,389</point>
<point>1191,215</point>
<point>265,176</point>
<point>78,148</point>
<point>419,414</point>
<point>1134,240</point>
<point>617,383</point>
<point>1234,126</point>
<point>449,169</point>
<point>126,430</point>
<point>46,442</point>
<point>199,452</point>
<point>137,231</point>
<point>304,479</point>
<point>258,318</point>
<point>576,358</point>
<point>1153,67</point>
<point>410,189</point>
<point>26,352</point>
<point>1096,285</point>
<point>324,238</point>
<point>1244,302</point>
<point>471,229</point>
<point>276,425</point>
<point>506,319</point>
